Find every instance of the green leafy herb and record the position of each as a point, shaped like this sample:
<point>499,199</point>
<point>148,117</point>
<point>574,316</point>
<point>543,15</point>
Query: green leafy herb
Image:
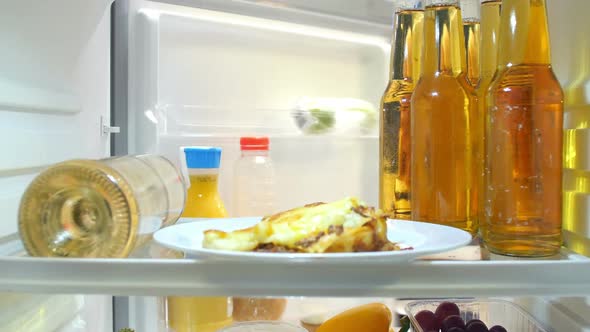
<point>324,120</point>
<point>405,323</point>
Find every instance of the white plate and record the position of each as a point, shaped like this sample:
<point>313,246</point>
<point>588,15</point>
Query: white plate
<point>423,238</point>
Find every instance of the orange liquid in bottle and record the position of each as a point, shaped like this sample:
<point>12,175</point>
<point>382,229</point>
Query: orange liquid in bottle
<point>201,314</point>
<point>394,193</point>
<point>443,108</point>
<point>522,214</point>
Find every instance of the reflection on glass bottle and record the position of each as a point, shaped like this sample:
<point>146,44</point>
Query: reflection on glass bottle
<point>576,171</point>
<point>524,138</point>
<point>395,151</point>
<point>443,106</point>
<point>470,11</point>
<point>490,28</point>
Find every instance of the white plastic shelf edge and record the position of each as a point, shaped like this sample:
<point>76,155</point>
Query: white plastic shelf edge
<point>294,278</point>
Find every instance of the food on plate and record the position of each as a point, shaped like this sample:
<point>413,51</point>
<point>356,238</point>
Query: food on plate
<point>373,317</point>
<point>253,309</point>
<point>347,225</point>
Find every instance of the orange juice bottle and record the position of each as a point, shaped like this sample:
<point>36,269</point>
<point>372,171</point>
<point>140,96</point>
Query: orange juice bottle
<point>203,200</point>
<point>201,314</point>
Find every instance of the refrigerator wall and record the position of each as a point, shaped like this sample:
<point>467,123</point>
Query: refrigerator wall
<point>204,77</point>
<point>54,93</point>
<point>54,90</point>
<point>571,59</point>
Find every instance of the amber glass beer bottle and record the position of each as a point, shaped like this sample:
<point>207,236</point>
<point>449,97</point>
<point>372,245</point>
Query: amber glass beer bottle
<point>522,214</point>
<point>443,105</point>
<point>394,165</point>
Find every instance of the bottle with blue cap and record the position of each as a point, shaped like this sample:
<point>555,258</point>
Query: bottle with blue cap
<point>203,200</point>
<point>203,314</point>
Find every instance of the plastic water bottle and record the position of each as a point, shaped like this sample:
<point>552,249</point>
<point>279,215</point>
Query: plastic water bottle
<point>254,178</point>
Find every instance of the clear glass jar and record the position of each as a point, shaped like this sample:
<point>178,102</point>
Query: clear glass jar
<point>99,208</point>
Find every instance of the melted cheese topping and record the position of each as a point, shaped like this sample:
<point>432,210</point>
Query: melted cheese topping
<point>312,228</point>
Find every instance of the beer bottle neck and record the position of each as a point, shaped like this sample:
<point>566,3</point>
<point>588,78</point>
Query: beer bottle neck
<point>444,40</point>
<point>490,29</point>
<point>406,44</point>
<point>524,33</point>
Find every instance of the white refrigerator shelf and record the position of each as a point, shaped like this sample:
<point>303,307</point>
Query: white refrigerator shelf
<point>439,276</point>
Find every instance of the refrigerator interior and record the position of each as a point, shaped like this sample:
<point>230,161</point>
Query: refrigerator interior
<point>206,73</point>
<point>205,76</point>
<point>54,93</point>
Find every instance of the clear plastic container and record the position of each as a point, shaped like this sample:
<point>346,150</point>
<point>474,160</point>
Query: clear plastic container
<point>99,208</point>
<point>492,312</point>
<point>254,179</point>
<point>339,116</point>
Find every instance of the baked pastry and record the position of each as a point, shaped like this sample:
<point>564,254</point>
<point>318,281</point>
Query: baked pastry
<point>346,225</point>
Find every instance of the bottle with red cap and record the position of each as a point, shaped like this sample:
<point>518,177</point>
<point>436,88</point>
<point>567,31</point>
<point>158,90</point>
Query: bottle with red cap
<point>254,178</point>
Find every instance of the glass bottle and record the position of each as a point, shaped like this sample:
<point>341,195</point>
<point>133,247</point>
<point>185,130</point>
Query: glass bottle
<point>470,11</point>
<point>201,314</point>
<point>522,214</point>
<point>443,107</point>
<point>394,164</point>
<point>99,208</point>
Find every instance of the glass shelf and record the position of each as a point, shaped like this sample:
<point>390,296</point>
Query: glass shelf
<point>153,270</point>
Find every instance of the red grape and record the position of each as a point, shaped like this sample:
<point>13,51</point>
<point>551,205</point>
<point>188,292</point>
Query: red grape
<point>452,321</point>
<point>427,320</point>
<point>476,326</point>
<point>456,329</point>
<point>446,309</point>
<point>469,322</point>
<point>497,328</point>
